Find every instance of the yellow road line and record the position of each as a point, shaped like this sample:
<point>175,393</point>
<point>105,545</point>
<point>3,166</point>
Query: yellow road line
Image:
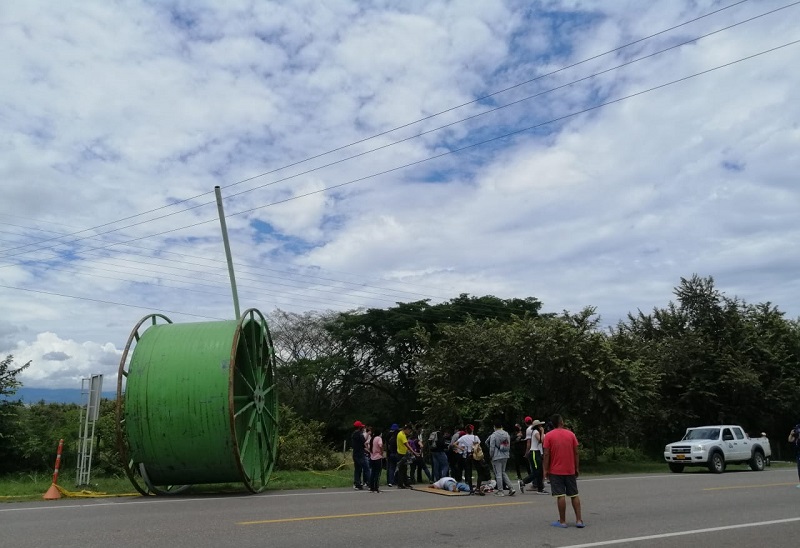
<point>387,513</point>
<point>747,486</point>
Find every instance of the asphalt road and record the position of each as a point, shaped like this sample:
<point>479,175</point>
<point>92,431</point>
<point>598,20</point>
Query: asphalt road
<point>738,508</point>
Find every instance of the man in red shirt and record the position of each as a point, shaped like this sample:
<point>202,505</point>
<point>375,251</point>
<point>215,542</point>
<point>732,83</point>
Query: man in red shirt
<point>561,467</point>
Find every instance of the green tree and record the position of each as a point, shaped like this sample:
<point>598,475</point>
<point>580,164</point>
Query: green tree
<point>482,370</point>
<point>715,358</point>
<point>310,366</point>
<point>10,409</point>
<point>44,424</point>
<point>382,350</point>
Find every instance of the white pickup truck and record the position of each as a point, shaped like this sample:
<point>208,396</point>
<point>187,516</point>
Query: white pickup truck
<point>716,447</point>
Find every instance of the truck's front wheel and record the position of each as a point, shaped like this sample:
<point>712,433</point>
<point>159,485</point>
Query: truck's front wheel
<point>757,462</point>
<point>716,462</point>
<point>677,468</point>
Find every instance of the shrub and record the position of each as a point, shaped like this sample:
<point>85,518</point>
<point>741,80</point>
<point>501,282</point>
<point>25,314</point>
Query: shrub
<point>623,454</point>
<point>301,446</point>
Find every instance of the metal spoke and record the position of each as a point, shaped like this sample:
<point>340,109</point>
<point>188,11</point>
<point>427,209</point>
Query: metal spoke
<point>272,417</point>
<point>246,440</point>
<point>241,376</point>
<point>254,380</point>
<point>243,409</point>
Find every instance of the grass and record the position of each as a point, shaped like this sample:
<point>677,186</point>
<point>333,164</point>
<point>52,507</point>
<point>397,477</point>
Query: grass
<point>31,486</point>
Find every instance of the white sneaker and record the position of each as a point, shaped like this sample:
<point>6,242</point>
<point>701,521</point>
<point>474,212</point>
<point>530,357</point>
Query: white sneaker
<point>499,494</point>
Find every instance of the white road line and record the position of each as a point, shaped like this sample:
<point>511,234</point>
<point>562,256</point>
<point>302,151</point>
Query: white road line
<point>682,533</point>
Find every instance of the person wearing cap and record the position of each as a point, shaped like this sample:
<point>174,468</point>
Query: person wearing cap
<point>360,460</point>
<point>562,466</point>
<point>392,457</point>
<point>533,452</point>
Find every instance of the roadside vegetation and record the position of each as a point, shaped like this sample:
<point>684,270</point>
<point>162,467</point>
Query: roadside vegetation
<point>626,390</point>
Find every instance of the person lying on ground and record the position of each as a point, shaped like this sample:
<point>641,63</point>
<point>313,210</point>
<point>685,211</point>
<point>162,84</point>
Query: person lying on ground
<point>450,484</point>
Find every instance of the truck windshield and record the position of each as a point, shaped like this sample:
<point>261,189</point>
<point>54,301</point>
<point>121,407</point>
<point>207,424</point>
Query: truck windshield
<point>702,434</point>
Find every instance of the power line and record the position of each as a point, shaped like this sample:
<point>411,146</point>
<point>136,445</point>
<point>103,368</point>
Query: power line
<point>692,40</point>
<point>491,140</point>
<point>247,268</point>
<point>478,308</point>
<point>53,293</point>
<point>326,288</point>
<point>506,135</point>
<point>484,97</point>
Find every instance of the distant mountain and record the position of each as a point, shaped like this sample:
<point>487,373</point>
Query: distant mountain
<point>54,395</point>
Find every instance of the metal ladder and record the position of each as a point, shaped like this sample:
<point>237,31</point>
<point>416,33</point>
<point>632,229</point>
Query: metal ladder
<point>90,412</point>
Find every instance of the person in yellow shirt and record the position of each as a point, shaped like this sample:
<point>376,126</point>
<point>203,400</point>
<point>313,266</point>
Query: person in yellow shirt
<point>406,454</point>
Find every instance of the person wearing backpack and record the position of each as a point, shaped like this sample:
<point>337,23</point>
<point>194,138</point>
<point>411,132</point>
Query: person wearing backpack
<point>499,444</point>
<point>466,444</point>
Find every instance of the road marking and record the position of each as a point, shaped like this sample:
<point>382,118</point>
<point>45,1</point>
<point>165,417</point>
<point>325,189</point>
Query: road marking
<point>747,486</point>
<point>165,500</point>
<point>387,513</point>
<point>683,533</point>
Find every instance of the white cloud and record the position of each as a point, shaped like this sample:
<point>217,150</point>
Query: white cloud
<point>59,363</point>
<point>114,111</point>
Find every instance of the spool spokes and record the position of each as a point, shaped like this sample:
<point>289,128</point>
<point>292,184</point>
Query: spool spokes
<point>254,413</point>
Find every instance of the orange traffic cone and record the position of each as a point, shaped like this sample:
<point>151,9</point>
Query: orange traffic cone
<point>53,493</point>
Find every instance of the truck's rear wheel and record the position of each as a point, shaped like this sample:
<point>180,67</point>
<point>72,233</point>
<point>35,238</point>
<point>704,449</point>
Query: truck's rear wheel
<point>675,467</point>
<point>757,462</point>
<point>716,462</point>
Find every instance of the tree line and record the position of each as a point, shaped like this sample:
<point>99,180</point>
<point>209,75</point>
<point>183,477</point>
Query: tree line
<point>704,358</point>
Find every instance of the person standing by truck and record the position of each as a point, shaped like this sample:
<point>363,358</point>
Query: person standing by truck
<point>794,439</point>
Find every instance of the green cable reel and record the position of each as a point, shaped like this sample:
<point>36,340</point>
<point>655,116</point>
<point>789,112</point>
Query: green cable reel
<point>199,404</point>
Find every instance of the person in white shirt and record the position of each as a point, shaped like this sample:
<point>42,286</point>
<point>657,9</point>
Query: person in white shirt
<point>535,437</point>
<point>465,445</point>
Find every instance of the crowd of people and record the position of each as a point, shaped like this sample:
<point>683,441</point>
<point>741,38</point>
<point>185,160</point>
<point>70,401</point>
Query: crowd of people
<point>542,452</point>
<point>461,461</point>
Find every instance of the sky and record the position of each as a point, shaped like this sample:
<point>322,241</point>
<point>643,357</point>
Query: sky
<point>585,153</point>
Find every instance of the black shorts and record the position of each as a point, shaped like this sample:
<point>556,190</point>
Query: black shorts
<point>563,485</point>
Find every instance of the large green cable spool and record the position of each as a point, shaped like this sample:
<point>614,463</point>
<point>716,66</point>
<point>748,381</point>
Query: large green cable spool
<point>199,404</point>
